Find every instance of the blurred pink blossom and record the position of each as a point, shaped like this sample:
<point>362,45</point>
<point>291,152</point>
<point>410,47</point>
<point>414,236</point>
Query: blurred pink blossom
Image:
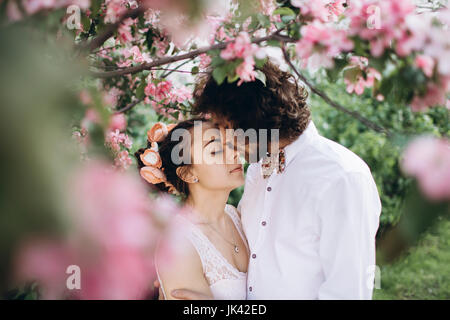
<point>320,43</point>
<point>118,121</point>
<point>425,63</point>
<point>123,160</point>
<point>428,159</point>
<point>435,95</point>
<point>111,237</point>
<point>359,76</point>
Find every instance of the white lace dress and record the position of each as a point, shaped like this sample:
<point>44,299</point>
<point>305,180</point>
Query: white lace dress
<point>225,281</point>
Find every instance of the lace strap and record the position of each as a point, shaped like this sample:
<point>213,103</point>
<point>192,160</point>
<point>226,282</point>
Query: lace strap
<point>215,266</point>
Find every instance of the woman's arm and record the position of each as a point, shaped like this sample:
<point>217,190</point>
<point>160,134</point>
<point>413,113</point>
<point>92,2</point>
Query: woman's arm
<point>182,271</point>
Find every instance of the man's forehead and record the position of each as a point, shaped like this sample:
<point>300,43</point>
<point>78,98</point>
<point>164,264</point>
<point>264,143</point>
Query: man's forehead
<point>220,121</point>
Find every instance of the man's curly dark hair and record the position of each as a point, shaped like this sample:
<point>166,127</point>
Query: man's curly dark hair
<point>279,104</point>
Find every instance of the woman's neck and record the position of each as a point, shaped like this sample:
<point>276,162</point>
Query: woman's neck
<point>208,205</point>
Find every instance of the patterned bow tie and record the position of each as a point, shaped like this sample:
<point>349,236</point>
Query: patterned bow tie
<point>273,161</point>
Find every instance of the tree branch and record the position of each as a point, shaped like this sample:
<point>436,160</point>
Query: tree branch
<point>109,30</point>
<point>189,55</point>
<point>128,107</point>
<point>334,104</point>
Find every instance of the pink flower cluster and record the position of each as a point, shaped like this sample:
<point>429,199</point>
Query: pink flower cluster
<point>114,9</point>
<point>359,76</point>
<point>435,95</point>
<point>34,6</point>
<point>320,43</point>
<point>114,139</point>
<point>112,239</point>
<point>133,54</point>
<point>243,48</point>
<point>124,31</point>
<point>205,61</point>
<point>428,159</point>
<point>380,22</point>
<point>323,10</point>
<point>159,91</point>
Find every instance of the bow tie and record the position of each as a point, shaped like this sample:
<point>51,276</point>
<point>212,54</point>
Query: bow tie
<point>273,161</point>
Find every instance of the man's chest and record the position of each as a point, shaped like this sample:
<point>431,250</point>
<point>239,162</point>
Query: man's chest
<point>278,211</point>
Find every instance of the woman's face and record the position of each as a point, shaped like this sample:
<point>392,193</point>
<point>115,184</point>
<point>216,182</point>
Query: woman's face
<point>216,165</point>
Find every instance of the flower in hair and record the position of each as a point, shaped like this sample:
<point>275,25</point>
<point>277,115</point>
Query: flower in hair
<point>152,175</point>
<point>159,131</point>
<point>151,157</point>
<point>153,172</point>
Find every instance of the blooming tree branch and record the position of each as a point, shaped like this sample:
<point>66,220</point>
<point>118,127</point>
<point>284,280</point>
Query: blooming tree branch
<point>332,103</point>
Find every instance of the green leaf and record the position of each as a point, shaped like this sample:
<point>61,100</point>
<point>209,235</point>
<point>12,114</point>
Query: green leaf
<point>263,20</point>
<point>287,19</point>
<point>259,63</point>
<point>261,76</point>
<point>217,61</point>
<point>284,11</point>
<point>274,43</point>
<point>195,70</point>
<point>140,91</point>
<point>232,78</point>
<point>219,74</point>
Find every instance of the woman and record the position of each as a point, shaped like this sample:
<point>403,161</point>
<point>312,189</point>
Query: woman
<point>215,259</point>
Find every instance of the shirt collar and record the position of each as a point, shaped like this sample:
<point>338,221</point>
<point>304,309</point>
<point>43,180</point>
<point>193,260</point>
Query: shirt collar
<point>305,137</point>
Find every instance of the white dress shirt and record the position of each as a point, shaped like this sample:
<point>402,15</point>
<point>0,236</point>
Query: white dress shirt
<point>311,229</point>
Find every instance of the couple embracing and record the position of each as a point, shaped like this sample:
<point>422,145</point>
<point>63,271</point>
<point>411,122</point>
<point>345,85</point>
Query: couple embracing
<point>305,226</point>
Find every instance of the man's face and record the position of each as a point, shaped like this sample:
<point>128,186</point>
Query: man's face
<point>244,146</point>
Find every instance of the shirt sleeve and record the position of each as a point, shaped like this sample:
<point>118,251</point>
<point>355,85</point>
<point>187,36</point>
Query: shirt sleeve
<point>349,210</point>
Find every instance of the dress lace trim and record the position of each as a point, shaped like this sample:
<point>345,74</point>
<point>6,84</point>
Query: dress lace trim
<point>215,266</point>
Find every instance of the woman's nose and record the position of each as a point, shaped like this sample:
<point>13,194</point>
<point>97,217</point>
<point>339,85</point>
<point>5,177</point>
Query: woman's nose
<point>232,154</point>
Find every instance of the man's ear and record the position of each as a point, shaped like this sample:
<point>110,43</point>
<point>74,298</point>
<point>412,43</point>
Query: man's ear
<point>184,173</point>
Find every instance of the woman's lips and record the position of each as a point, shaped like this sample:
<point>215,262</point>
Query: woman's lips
<point>237,169</point>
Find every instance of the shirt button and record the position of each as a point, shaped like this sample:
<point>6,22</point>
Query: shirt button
<point>269,189</point>
<point>254,256</point>
<point>250,289</point>
<point>263,223</point>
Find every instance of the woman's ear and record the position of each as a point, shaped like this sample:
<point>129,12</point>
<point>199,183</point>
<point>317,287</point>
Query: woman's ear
<point>185,174</point>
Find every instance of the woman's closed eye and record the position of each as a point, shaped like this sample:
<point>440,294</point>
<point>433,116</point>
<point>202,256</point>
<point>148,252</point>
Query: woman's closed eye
<point>216,152</point>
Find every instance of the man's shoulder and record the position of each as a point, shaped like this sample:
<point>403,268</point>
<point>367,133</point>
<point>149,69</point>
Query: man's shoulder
<point>330,159</point>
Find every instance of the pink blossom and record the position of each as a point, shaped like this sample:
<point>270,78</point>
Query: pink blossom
<point>425,63</point>
<point>428,159</point>
<point>112,96</point>
<point>111,239</point>
<point>435,95</point>
<point>13,12</point>
<point>205,61</point>
<point>85,97</point>
<point>241,47</point>
<point>124,31</point>
<point>158,91</point>
<point>313,9</point>
<point>118,121</point>
<point>114,9</point>
<point>114,139</point>
<point>380,22</point>
<point>112,208</point>
<point>91,117</point>
<point>46,261</point>
<point>123,160</point>
<point>246,71</point>
<point>320,43</point>
<point>359,76</point>
<point>181,94</point>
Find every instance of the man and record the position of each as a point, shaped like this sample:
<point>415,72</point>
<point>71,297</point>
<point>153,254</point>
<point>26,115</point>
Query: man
<point>310,209</point>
